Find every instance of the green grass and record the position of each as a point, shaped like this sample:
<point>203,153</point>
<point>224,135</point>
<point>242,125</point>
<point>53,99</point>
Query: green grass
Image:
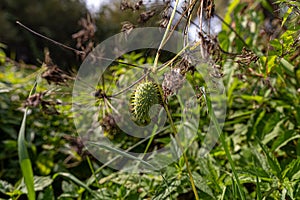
<point>24,159</point>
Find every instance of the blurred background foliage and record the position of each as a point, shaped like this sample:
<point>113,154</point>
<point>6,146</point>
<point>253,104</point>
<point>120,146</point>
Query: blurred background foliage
<point>57,20</point>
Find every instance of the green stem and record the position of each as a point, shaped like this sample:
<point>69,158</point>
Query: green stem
<point>173,59</point>
<point>165,36</point>
<point>151,139</point>
<point>93,171</point>
<point>188,168</point>
<point>178,141</point>
<point>154,69</point>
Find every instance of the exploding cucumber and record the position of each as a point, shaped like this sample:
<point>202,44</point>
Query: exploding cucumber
<point>144,97</point>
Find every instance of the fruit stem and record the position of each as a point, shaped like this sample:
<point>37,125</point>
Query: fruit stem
<point>154,69</point>
<point>178,141</point>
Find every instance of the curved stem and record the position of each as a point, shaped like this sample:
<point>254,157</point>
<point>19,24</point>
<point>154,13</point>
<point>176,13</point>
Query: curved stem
<point>164,39</point>
<point>49,39</point>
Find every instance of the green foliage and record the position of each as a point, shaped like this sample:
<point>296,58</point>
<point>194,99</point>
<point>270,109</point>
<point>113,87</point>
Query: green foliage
<point>258,156</point>
<point>46,149</point>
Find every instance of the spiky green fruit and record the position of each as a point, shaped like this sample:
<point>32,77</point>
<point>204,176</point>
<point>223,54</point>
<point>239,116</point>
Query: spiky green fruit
<point>145,96</point>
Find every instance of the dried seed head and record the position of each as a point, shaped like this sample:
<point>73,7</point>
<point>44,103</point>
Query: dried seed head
<point>47,106</point>
<point>173,81</point>
<point>145,16</point>
<point>246,57</point>
<point>209,8</point>
<point>109,126</point>
<point>54,74</point>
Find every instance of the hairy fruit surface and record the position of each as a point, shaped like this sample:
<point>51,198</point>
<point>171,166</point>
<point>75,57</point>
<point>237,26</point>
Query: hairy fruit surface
<point>145,96</point>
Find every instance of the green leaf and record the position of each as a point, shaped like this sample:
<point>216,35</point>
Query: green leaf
<point>286,15</point>
<point>271,63</point>
<point>224,144</point>
<point>283,194</point>
<point>289,68</point>
<point>258,99</point>
<point>258,191</point>
<point>166,192</point>
<point>288,189</point>
<point>233,4</point>
<point>122,153</point>
<point>45,163</point>
<point>287,38</point>
<point>2,56</point>
<point>284,139</point>
<point>47,194</point>
<point>269,123</point>
<point>272,161</point>
<point>40,183</point>
<point>201,184</point>
<point>274,133</point>
<point>277,45</point>
<point>231,88</point>
<point>297,114</point>
<point>267,5</point>
<point>292,170</point>
<point>25,161</point>
<point>253,128</point>
<point>77,181</point>
<point>224,40</point>
<point>262,168</point>
<point>296,176</point>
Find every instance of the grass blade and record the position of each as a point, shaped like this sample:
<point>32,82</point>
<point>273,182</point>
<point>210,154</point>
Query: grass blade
<point>224,144</point>
<point>122,153</point>
<point>258,191</point>
<point>24,160</point>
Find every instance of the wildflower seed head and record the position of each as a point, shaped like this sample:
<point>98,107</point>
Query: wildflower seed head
<point>173,81</point>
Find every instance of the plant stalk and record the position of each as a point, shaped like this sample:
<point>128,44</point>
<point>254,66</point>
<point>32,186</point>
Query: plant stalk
<point>154,69</point>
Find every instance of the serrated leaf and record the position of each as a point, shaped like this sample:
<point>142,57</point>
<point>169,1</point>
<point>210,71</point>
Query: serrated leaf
<point>272,161</point>
<point>202,185</point>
